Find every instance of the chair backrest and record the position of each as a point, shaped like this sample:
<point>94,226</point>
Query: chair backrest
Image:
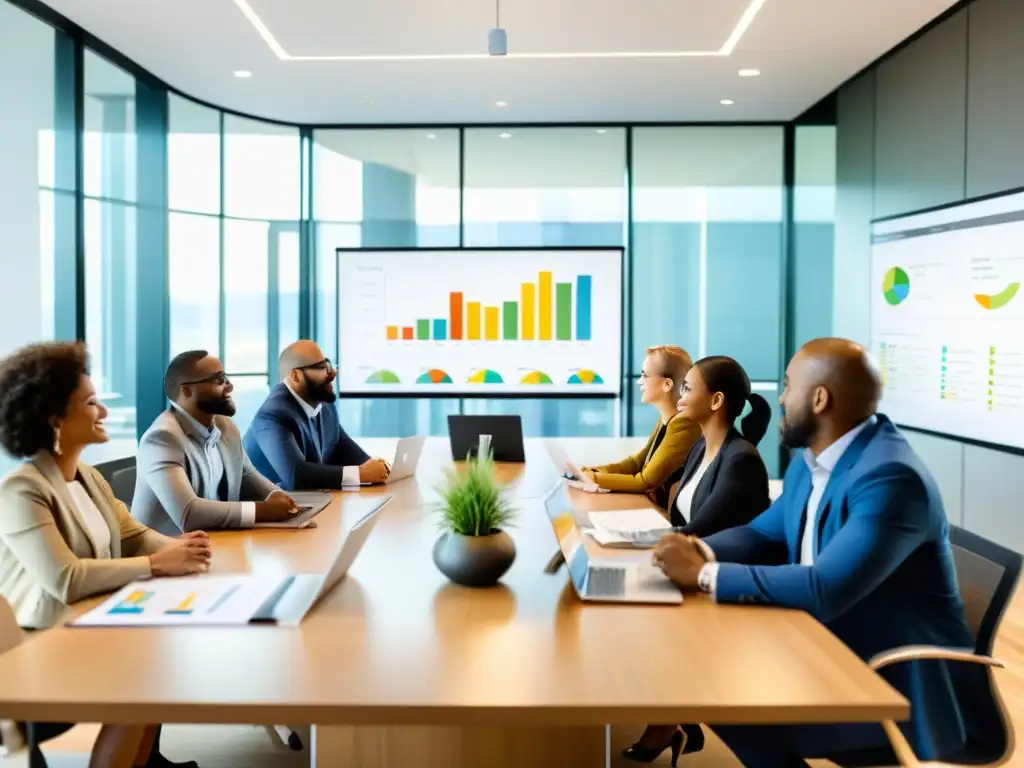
<point>987,575</point>
<point>120,474</point>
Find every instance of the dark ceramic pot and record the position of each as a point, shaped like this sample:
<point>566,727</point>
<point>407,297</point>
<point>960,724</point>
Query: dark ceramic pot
<point>474,561</point>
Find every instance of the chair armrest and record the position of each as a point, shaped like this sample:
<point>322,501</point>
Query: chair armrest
<point>923,652</point>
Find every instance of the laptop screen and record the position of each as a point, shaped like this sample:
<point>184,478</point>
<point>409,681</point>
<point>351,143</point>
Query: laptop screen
<point>558,505</point>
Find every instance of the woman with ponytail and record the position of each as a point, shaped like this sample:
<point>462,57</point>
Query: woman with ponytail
<point>724,484</point>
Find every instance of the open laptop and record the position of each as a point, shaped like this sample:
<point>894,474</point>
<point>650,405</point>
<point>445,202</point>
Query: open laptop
<point>560,458</point>
<point>298,594</point>
<point>310,503</point>
<point>407,458</point>
<point>504,432</point>
<point>612,581</point>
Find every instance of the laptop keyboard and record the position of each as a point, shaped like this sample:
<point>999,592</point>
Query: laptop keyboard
<point>606,582</point>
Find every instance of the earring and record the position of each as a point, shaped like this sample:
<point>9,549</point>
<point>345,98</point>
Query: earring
<point>56,441</point>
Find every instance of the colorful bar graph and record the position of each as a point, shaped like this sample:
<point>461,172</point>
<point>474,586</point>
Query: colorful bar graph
<point>527,294</point>
<point>583,288</point>
<point>491,323</point>
<point>473,320</point>
<point>510,320</point>
<point>563,308</point>
<point>455,314</point>
<point>544,300</point>
<point>543,312</point>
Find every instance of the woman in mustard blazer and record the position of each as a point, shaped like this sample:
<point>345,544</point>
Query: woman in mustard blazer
<point>64,536</point>
<point>659,464</point>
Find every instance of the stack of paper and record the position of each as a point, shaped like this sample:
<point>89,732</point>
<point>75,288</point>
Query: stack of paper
<point>627,527</point>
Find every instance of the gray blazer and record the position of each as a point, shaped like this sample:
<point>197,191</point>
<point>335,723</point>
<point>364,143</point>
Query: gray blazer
<point>173,486</point>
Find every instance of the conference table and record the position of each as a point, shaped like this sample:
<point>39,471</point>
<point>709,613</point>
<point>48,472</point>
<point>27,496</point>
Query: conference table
<point>397,666</point>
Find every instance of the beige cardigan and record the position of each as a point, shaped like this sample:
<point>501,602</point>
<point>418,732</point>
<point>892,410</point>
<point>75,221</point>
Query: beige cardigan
<point>47,556</point>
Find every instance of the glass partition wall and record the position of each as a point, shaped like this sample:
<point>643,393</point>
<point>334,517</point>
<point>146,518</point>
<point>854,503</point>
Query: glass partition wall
<point>147,224</point>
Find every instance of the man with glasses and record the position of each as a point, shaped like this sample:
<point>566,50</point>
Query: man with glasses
<point>192,471</point>
<point>296,438</point>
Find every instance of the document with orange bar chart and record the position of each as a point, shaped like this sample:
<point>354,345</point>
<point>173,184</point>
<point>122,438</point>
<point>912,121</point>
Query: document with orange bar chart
<point>480,322</point>
<point>186,601</point>
<point>947,319</point>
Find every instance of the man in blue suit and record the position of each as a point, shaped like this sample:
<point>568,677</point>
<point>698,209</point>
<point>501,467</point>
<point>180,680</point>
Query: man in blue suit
<point>296,439</point>
<point>859,540</point>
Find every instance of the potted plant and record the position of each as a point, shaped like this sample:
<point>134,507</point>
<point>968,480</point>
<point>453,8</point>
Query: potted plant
<point>474,549</point>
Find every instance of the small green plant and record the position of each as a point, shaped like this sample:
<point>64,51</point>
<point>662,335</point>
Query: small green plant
<point>471,500</point>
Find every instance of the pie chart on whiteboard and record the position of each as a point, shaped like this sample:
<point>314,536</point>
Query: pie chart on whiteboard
<point>896,286</point>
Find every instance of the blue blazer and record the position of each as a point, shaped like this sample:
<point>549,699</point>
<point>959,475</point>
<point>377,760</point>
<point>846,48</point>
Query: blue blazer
<point>295,452</point>
<point>883,575</point>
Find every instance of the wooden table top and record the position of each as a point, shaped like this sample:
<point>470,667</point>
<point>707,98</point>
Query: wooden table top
<point>396,643</point>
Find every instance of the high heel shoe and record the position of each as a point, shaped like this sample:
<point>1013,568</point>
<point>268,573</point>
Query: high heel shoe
<point>639,754</point>
<point>694,738</point>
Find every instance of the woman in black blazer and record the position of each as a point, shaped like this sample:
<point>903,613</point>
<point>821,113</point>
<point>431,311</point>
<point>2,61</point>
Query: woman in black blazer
<point>724,484</point>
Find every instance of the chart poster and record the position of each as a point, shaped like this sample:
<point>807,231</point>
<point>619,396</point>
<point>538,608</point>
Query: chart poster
<point>947,319</point>
<point>475,323</point>
<point>187,601</point>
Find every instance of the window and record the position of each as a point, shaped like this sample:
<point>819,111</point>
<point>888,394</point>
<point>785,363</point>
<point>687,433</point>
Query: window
<point>109,150</point>
<point>814,214</point>
<point>545,186</point>
<point>707,249</point>
<point>193,157</point>
<point>246,283</point>
<point>262,170</point>
<point>194,256</point>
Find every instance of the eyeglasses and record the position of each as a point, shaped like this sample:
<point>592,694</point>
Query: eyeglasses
<point>220,379</point>
<point>324,365</point>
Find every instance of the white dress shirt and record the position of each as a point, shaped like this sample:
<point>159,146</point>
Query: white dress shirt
<point>98,531</point>
<point>684,499</point>
<point>349,475</point>
<point>821,467</point>
<point>211,437</point>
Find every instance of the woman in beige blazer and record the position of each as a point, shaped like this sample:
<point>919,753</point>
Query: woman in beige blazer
<point>64,536</point>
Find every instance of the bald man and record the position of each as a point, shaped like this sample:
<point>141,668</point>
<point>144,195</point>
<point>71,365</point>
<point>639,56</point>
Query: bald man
<point>296,439</point>
<point>858,539</point>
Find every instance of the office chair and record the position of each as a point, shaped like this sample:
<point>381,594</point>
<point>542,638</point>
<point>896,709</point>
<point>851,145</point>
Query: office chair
<point>987,575</point>
<point>10,734</point>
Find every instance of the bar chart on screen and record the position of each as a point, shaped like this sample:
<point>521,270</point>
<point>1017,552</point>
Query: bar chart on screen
<point>477,322</point>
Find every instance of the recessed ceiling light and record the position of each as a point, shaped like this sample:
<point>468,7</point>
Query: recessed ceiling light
<point>431,135</point>
<point>505,135</point>
<point>367,103</point>
<point>749,72</point>
<point>727,102</point>
<point>243,73</point>
<point>602,130</point>
<point>501,103</point>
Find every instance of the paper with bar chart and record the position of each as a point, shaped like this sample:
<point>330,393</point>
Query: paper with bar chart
<point>191,600</point>
<point>947,319</point>
<point>480,322</point>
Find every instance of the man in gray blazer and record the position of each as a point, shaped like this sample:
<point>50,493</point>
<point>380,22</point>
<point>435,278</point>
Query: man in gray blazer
<point>193,473</point>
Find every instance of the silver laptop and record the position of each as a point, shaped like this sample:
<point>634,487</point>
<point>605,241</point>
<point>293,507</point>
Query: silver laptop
<point>613,581</point>
<point>407,458</point>
<point>310,504</point>
<point>561,460</point>
<point>299,594</point>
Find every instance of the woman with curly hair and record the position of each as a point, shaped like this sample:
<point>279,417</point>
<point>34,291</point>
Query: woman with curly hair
<point>64,536</point>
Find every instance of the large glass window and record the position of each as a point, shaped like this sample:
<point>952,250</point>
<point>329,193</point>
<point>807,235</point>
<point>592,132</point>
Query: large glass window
<point>246,282</point>
<point>193,156</point>
<point>814,214</point>
<point>707,249</point>
<point>262,170</point>
<point>194,266</point>
<point>109,150</point>
<point>545,186</point>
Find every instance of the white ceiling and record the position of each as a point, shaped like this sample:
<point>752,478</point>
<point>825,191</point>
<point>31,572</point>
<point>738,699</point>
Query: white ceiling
<point>424,61</point>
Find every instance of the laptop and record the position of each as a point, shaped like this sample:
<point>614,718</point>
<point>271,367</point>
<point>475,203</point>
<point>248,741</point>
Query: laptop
<point>561,460</point>
<point>310,503</point>
<point>298,594</point>
<point>505,434</point>
<point>407,458</point>
<point>609,581</point>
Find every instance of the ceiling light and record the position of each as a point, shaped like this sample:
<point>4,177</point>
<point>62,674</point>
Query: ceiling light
<point>367,103</point>
<point>749,72</point>
<point>602,130</point>
<point>505,135</point>
<point>431,135</point>
<point>243,73</point>
<point>501,103</point>
<point>727,102</point>
<point>737,33</point>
